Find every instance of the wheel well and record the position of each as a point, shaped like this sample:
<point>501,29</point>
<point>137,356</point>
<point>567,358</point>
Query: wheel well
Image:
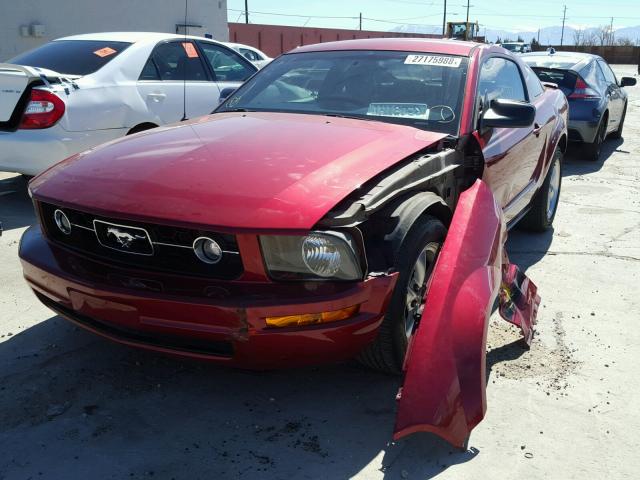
<point>385,231</point>
<point>562,143</point>
<point>141,127</point>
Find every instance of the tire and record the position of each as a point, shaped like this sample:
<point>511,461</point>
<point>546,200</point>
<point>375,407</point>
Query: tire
<point>593,150</point>
<point>618,132</point>
<point>423,242</point>
<point>545,202</point>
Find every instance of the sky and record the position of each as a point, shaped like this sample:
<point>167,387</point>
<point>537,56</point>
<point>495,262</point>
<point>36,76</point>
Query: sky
<point>522,15</point>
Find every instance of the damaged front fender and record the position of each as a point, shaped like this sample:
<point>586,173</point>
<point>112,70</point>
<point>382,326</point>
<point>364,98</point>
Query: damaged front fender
<point>444,391</point>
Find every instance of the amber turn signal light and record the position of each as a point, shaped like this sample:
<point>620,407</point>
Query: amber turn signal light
<point>313,318</point>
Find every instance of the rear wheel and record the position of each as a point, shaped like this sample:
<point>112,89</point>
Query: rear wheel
<point>545,202</point>
<point>415,259</point>
<point>618,132</point>
<point>593,150</point>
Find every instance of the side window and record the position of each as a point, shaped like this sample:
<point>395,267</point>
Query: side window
<point>533,82</point>
<point>593,75</point>
<point>608,74</point>
<point>500,78</point>
<point>250,54</point>
<point>178,61</point>
<point>228,65</point>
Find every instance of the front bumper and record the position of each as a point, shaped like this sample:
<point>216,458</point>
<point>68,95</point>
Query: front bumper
<point>30,152</point>
<point>218,321</point>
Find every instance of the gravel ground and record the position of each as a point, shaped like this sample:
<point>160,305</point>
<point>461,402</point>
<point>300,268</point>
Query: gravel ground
<point>75,406</point>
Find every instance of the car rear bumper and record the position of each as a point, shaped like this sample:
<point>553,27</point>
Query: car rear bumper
<point>32,151</point>
<point>227,327</point>
<point>582,130</point>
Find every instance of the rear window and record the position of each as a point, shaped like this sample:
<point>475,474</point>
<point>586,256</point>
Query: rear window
<point>565,79</point>
<point>72,57</point>
<point>550,61</point>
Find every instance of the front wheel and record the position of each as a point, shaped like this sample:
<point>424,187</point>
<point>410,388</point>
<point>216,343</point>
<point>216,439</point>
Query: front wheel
<point>415,259</point>
<point>545,202</point>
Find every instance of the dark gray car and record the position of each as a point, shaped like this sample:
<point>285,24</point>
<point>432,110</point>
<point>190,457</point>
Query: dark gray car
<point>597,101</point>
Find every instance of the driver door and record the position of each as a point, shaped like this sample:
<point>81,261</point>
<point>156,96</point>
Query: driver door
<point>511,154</point>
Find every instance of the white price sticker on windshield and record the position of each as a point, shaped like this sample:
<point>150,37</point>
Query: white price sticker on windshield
<point>437,60</point>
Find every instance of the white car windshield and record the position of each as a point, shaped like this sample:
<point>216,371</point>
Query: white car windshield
<point>418,89</point>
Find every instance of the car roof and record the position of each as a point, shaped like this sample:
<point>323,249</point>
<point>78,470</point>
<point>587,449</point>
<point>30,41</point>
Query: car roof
<point>131,37</point>
<point>578,58</point>
<point>427,45</point>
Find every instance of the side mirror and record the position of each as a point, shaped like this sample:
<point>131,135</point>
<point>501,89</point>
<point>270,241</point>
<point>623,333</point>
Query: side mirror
<point>225,93</point>
<point>508,114</point>
<point>627,82</point>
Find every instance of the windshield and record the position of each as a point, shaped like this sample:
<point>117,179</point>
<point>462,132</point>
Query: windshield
<point>421,90</point>
<point>72,57</point>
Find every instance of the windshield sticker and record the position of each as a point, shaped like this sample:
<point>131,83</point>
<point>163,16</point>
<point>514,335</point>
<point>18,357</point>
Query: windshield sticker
<point>190,49</point>
<point>403,110</point>
<point>104,52</point>
<point>438,60</point>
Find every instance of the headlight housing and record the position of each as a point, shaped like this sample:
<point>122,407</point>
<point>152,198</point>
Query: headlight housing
<point>317,256</point>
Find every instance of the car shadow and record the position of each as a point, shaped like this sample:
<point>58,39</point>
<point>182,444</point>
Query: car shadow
<point>91,405</point>
<point>527,248</point>
<point>576,164</point>
<point>16,209</point>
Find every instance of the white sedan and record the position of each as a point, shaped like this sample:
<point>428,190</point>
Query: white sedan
<point>255,56</point>
<point>77,92</point>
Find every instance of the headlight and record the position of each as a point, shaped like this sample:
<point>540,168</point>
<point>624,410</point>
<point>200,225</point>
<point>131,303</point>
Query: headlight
<point>319,255</point>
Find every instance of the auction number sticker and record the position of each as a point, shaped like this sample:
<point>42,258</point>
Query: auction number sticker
<point>438,60</point>
<point>104,52</point>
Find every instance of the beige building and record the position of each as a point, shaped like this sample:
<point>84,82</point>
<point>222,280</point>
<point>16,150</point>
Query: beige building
<point>25,24</point>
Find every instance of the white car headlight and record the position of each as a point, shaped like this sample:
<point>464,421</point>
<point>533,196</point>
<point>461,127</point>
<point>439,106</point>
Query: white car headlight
<point>319,255</point>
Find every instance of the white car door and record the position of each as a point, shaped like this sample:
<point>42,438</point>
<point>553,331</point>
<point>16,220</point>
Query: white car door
<point>229,67</point>
<point>175,78</point>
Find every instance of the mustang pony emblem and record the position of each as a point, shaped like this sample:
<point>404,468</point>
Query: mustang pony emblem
<point>123,238</point>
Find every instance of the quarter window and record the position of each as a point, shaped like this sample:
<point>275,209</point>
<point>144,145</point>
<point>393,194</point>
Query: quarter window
<point>500,78</point>
<point>608,74</point>
<point>228,65</point>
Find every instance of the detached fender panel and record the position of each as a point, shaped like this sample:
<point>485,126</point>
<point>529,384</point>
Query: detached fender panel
<point>444,391</point>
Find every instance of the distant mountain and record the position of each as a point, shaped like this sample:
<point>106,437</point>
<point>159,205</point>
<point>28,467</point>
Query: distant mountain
<point>548,35</point>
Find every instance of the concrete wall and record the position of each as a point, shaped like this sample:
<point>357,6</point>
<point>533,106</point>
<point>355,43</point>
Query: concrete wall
<point>60,18</point>
<point>276,39</point>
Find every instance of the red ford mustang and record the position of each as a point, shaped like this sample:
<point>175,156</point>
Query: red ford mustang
<point>351,199</point>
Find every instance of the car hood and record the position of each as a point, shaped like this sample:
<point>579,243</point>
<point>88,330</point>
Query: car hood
<point>249,170</point>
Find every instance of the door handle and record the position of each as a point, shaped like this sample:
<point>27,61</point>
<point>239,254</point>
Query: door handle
<point>536,129</point>
<point>156,97</point>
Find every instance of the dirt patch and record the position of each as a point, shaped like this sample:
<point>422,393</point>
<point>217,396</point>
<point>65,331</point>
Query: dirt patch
<point>508,357</point>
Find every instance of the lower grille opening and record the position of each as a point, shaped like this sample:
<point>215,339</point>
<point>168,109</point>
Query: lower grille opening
<point>205,347</point>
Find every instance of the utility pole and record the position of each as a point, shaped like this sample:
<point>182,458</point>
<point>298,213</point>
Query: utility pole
<point>611,32</point>
<point>444,20</point>
<point>466,30</point>
<point>246,11</point>
<point>564,17</point>
<point>360,20</point>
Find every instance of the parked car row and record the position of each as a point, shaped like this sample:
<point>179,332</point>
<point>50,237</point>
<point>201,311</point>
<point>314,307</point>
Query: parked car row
<point>350,199</point>
<point>597,100</point>
<point>78,92</point>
